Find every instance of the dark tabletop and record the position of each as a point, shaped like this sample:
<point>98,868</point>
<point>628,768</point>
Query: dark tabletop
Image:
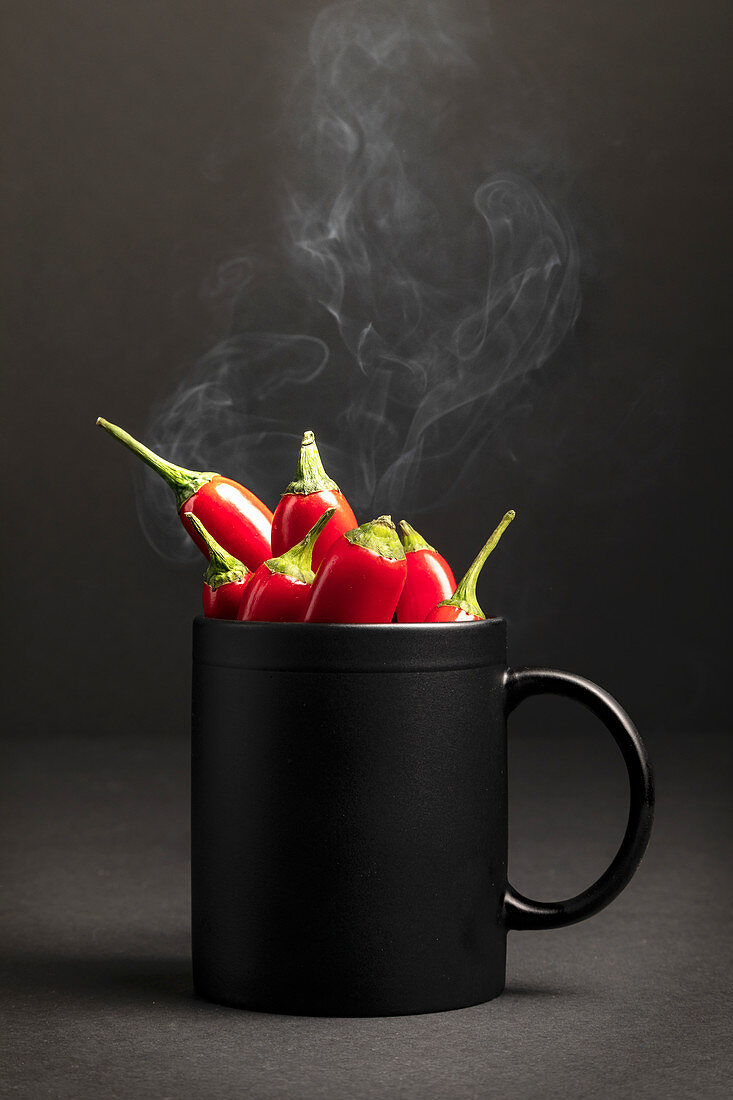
<point>96,986</point>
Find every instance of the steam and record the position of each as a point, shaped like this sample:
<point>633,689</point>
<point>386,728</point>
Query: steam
<point>427,301</point>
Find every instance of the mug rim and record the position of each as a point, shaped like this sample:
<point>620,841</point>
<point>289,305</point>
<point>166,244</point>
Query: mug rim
<point>349,647</point>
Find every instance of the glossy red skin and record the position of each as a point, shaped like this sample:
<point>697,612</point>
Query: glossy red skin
<point>224,602</point>
<point>234,517</point>
<point>429,580</point>
<point>355,585</point>
<point>274,598</point>
<point>297,512</point>
<point>450,614</point>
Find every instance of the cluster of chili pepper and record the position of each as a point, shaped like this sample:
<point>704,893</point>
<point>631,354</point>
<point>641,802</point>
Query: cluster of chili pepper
<point>311,561</point>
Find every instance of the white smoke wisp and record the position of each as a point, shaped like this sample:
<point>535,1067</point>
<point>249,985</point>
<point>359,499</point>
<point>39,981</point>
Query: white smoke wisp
<point>435,290</point>
<point>214,420</point>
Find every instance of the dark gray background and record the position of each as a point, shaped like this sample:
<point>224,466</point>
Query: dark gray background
<point>122,204</point>
<point>118,218</point>
<point>142,146</point>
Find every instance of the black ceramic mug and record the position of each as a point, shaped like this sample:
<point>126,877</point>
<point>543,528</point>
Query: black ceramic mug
<point>349,815</point>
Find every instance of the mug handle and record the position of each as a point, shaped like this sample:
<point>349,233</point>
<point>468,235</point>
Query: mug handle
<point>523,913</point>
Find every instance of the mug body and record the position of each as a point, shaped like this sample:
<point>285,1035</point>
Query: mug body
<point>349,816</point>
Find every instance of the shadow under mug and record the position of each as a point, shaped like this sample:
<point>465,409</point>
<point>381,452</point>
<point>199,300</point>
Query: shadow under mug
<point>349,815</point>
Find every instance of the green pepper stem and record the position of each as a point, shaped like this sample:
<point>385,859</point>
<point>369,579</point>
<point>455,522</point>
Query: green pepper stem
<point>465,593</point>
<point>310,476</point>
<point>184,483</point>
<point>378,535</point>
<point>223,567</point>
<point>297,561</point>
<point>411,539</point>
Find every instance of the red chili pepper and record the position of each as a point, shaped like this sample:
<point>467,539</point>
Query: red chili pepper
<point>429,577</point>
<point>280,588</point>
<point>233,516</point>
<point>306,498</point>
<point>361,577</point>
<point>224,581</point>
<point>463,606</point>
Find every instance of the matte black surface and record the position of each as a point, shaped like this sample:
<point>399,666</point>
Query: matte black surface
<point>346,647</point>
<point>521,912</point>
<point>349,815</point>
<point>96,993</point>
<point>349,828</point>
